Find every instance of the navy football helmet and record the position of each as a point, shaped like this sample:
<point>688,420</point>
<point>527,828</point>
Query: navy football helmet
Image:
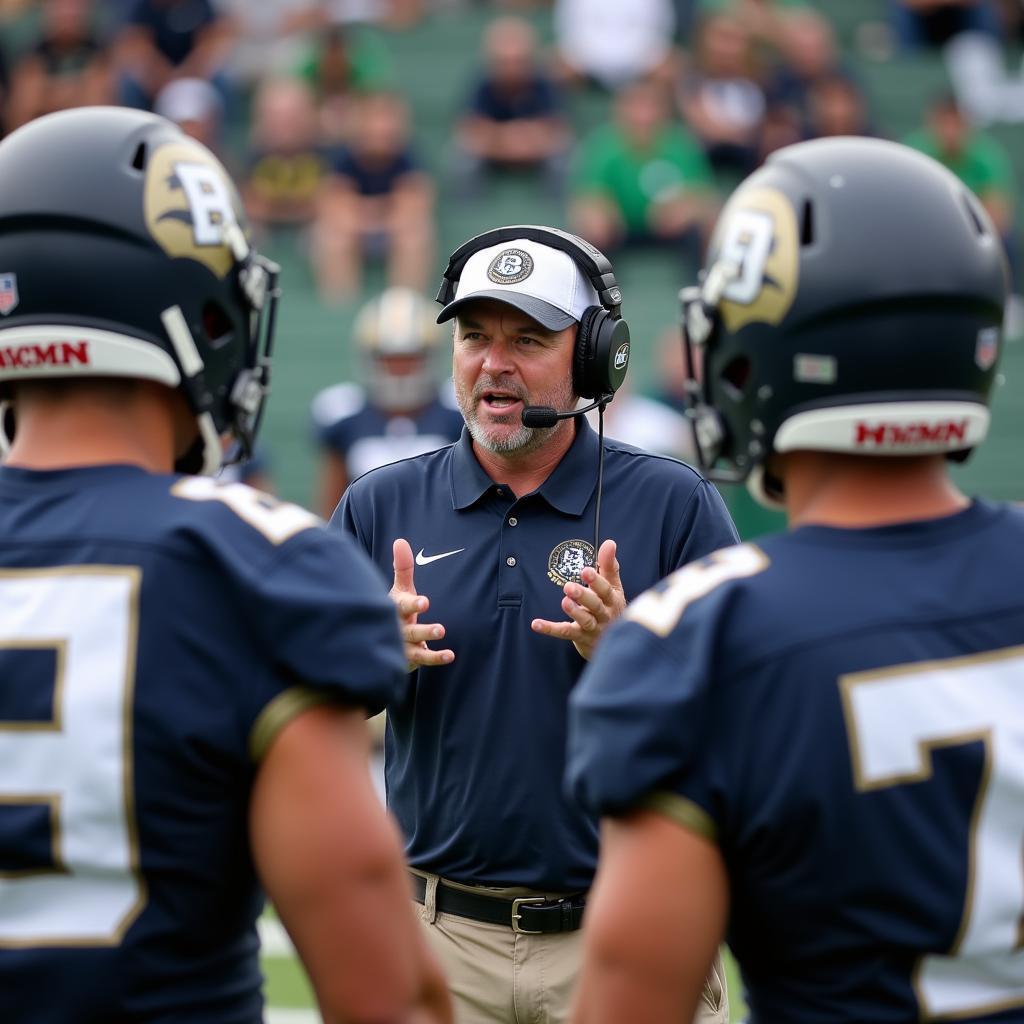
<point>124,252</point>
<point>852,301</point>
<point>397,335</point>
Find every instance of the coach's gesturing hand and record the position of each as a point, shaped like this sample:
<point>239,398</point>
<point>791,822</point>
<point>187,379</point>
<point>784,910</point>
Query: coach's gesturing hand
<point>409,604</point>
<point>592,607</point>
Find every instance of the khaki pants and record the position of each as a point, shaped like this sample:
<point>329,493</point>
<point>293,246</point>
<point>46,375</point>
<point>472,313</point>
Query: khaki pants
<point>497,976</point>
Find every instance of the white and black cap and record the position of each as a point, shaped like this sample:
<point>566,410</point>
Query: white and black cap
<point>544,283</point>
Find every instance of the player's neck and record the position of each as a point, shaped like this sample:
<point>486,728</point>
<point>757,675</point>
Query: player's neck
<point>857,492</point>
<point>64,434</point>
<point>524,472</point>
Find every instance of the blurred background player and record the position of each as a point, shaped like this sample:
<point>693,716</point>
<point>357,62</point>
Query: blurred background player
<point>401,410</point>
<point>819,740</point>
<point>185,666</point>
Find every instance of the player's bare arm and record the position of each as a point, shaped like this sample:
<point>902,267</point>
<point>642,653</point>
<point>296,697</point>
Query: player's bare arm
<point>415,634</point>
<point>591,608</point>
<point>331,862</point>
<point>656,916</point>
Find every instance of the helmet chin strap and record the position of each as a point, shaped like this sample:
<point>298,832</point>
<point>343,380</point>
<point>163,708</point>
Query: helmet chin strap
<point>208,443</point>
<point>6,411</point>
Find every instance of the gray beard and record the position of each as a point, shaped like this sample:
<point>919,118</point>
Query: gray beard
<point>521,442</point>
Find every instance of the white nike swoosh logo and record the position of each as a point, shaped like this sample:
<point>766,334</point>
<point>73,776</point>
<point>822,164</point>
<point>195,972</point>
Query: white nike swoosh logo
<point>422,559</point>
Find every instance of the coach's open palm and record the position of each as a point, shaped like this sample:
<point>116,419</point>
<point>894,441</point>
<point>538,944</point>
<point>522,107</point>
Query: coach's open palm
<point>409,604</point>
<point>592,607</point>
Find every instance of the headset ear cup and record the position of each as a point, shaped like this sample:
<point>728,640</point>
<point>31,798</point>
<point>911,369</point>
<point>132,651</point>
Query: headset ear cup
<point>611,353</point>
<point>602,353</point>
<point>584,366</point>
<point>588,370</point>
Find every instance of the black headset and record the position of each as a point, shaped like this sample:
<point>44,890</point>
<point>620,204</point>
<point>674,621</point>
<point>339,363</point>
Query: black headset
<point>602,340</point>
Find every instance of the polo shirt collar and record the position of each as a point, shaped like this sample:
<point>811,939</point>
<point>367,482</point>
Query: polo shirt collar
<point>567,489</point>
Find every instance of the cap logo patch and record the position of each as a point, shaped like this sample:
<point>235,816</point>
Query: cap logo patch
<point>510,267</point>
<point>567,560</point>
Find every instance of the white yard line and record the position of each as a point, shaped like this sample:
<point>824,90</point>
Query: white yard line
<point>279,1016</point>
<point>273,938</point>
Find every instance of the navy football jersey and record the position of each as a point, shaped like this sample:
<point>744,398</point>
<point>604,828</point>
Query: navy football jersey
<point>366,437</point>
<point>842,711</point>
<point>156,631</point>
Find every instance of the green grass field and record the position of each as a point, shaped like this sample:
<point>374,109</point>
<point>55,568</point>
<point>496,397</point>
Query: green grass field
<point>290,999</point>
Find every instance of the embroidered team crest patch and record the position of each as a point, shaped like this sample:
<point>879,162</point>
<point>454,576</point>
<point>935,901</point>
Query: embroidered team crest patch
<point>510,267</point>
<point>8,292</point>
<point>566,562</point>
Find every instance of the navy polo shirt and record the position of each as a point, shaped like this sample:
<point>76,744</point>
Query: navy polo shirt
<point>475,750</point>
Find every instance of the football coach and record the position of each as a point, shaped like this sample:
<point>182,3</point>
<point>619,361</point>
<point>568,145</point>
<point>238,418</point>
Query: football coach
<point>504,586</point>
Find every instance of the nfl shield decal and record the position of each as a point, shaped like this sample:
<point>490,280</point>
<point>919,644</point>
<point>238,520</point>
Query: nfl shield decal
<point>8,292</point>
<point>987,349</point>
<point>567,560</point>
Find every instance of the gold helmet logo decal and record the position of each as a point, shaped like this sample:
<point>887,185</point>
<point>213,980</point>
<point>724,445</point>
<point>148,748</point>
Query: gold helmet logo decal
<point>189,202</point>
<point>758,237</point>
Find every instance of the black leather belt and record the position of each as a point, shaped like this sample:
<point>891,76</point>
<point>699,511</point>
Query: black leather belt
<point>529,915</point>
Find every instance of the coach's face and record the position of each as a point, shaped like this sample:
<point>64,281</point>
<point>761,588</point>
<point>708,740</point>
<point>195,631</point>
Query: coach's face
<point>503,360</point>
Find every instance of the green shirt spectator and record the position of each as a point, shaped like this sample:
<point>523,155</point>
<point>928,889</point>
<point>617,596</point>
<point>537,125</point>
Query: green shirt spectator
<point>982,164</point>
<point>977,159</point>
<point>349,59</point>
<point>634,179</point>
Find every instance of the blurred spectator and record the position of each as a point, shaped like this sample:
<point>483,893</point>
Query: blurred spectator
<point>67,66</point>
<point>5,93</point>
<point>642,179</point>
<point>162,40</point>
<point>271,36</point>
<point>808,54</point>
<point>378,202</point>
<point>399,413</point>
<point>838,107</point>
<point>611,44</point>
<point>345,63</point>
<point>933,23</point>
<point>977,159</point>
<point>720,96</point>
<point>514,119</point>
<point>763,18</point>
<point>287,167</point>
<point>196,107</point>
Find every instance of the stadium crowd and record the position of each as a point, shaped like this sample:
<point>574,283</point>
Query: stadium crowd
<point>634,121</point>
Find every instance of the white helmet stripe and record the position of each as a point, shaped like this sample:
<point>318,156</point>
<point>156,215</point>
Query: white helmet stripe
<point>886,428</point>
<point>60,350</point>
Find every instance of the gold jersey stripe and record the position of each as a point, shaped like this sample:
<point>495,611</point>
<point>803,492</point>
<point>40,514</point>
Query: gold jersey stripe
<point>683,812</point>
<point>278,713</point>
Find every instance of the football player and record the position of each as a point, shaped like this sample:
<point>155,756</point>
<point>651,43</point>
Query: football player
<point>184,665</point>
<point>816,744</point>
<point>401,412</point>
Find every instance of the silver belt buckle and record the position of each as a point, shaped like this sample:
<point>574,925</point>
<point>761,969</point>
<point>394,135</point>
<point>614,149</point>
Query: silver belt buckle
<point>516,904</point>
